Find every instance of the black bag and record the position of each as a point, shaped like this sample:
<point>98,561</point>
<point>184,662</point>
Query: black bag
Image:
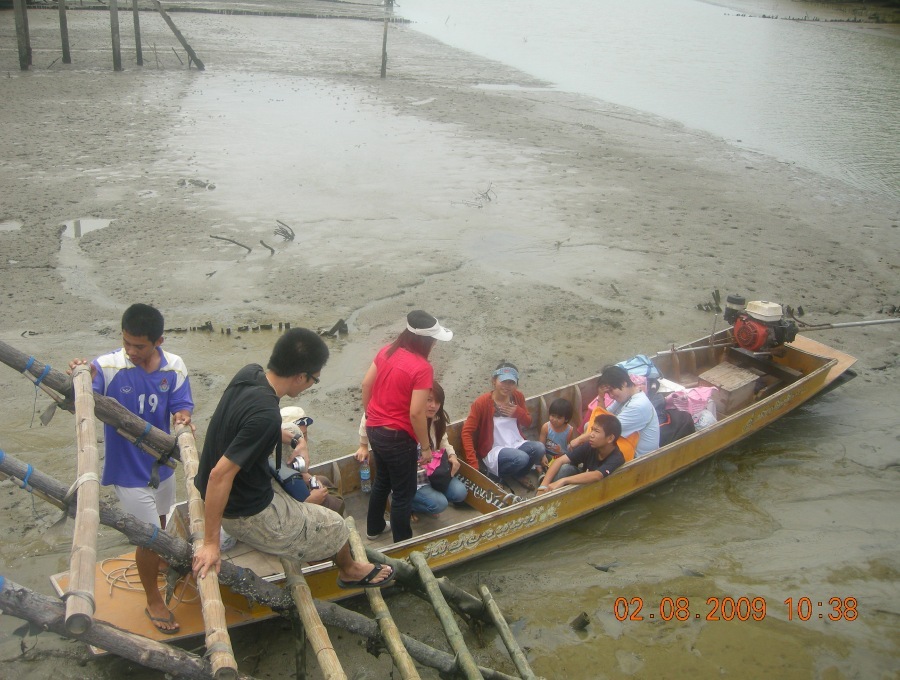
<point>440,477</point>
<point>677,424</point>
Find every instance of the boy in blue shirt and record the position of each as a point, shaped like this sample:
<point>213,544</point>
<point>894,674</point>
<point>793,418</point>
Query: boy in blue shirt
<point>153,384</point>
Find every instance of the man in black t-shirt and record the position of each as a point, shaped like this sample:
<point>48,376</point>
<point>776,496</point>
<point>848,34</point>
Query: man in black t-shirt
<point>234,480</point>
<point>588,462</point>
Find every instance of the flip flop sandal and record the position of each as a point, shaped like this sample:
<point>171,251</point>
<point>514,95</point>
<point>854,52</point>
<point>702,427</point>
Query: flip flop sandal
<point>170,619</point>
<point>366,581</point>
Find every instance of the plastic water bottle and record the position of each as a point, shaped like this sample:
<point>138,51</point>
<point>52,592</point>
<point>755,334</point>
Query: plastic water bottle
<point>365,484</point>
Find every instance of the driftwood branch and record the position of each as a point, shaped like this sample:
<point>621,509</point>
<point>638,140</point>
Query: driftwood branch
<point>245,582</point>
<point>266,245</point>
<point>231,240</point>
<point>284,231</point>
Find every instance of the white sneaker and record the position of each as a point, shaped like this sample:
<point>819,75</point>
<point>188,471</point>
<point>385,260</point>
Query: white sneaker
<point>387,527</point>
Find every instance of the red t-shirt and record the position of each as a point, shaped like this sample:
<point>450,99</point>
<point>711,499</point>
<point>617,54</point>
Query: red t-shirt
<point>398,375</point>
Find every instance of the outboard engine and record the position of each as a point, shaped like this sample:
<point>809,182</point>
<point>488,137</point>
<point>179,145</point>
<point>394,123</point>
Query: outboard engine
<point>759,326</point>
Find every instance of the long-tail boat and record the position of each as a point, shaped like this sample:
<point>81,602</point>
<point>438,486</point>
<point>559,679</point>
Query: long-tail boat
<point>756,388</point>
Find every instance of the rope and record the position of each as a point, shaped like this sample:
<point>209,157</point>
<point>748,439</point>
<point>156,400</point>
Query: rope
<point>125,577</point>
<point>218,647</point>
<point>86,477</point>
<point>84,594</point>
<point>137,442</point>
<point>25,485</point>
<point>152,537</point>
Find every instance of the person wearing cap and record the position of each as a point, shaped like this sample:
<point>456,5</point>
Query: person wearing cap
<point>235,481</point>
<point>394,397</point>
<point>492,434</point>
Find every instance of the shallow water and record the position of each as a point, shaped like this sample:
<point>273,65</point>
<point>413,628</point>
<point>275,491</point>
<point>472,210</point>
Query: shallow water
<point>810,93</point>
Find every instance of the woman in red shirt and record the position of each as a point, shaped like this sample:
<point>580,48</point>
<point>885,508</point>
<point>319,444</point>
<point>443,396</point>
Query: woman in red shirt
<point>394,395</point>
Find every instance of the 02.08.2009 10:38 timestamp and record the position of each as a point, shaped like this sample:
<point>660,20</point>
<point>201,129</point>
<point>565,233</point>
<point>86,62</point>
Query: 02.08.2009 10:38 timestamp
<point>730,608</point>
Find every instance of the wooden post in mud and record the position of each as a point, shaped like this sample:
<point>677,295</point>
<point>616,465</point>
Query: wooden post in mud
<point>218,642</point>
<point>384,40</point>
<point>184,43</point>
<point>114,29</point>
<point>80,595</point>
<point>22,38</point>
<point>315,629</point>
<point>64,32</point>
<point>386,624</point>
<point>137,33</point>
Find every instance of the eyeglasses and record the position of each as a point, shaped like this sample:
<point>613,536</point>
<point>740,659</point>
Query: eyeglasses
<point>313,378</point>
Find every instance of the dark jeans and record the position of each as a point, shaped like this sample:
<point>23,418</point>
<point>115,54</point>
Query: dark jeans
<point>396,455</point>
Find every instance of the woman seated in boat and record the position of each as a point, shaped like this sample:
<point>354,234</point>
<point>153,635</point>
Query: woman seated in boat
<point>492,434</point>
<point>437,485</point>
<point>589,462</point>
<point>630,405</point>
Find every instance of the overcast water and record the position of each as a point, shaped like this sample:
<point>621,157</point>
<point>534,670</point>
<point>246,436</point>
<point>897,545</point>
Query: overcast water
<point>811,93</point>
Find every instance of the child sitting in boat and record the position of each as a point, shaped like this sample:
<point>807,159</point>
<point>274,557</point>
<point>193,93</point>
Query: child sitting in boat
<point>590,462</point>
<point>557,433</point>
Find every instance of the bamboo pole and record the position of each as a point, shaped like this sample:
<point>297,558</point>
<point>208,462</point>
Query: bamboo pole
<point>184,43</point>
<point>106,409</point>
<point>218,643</point>
<point>315,629</point>
<point>244,582</point>
<point>467,664</point>
<point>64,32</point>
<point>47,614</point>
<point>114,30</point>
<point>83,561</point>
<point>386,623</point>
<point>506,635</point>
<point>465,604</point>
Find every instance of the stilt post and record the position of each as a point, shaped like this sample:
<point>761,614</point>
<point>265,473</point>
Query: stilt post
<point>386,625</point>
<point>466,661</point>
<point>64,32</point>
<point>137,32</point>
<point>218,642</point>
<point>384,41</point>
<point>114,29</point>
<point>80,596</point>
<point>22,38</point>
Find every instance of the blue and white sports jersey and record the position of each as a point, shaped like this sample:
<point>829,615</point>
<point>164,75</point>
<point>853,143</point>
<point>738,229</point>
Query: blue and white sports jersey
<point>155,397</point>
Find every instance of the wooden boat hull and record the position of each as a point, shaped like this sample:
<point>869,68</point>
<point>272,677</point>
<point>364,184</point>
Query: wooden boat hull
<point>805,369</point>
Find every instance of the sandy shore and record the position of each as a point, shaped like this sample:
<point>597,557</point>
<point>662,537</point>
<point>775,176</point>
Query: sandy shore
<point>552,230</point>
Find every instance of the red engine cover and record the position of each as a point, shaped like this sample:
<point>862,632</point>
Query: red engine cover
<point>751,334</point>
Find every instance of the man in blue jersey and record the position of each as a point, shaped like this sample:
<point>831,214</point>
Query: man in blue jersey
<point>153,384</point>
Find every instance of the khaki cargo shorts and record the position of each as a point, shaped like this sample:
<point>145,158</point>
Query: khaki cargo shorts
<point>289,528</point>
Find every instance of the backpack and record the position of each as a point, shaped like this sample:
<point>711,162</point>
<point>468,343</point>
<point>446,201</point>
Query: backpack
<point>641,365</point>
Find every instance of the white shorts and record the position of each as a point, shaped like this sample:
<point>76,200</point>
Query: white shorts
<point>148,504</point>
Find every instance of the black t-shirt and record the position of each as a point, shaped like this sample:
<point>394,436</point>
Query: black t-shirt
<point>245,428</point>
<point>586,458</point>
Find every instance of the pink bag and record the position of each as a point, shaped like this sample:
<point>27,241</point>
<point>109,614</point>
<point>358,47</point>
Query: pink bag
<point>693,400</point>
